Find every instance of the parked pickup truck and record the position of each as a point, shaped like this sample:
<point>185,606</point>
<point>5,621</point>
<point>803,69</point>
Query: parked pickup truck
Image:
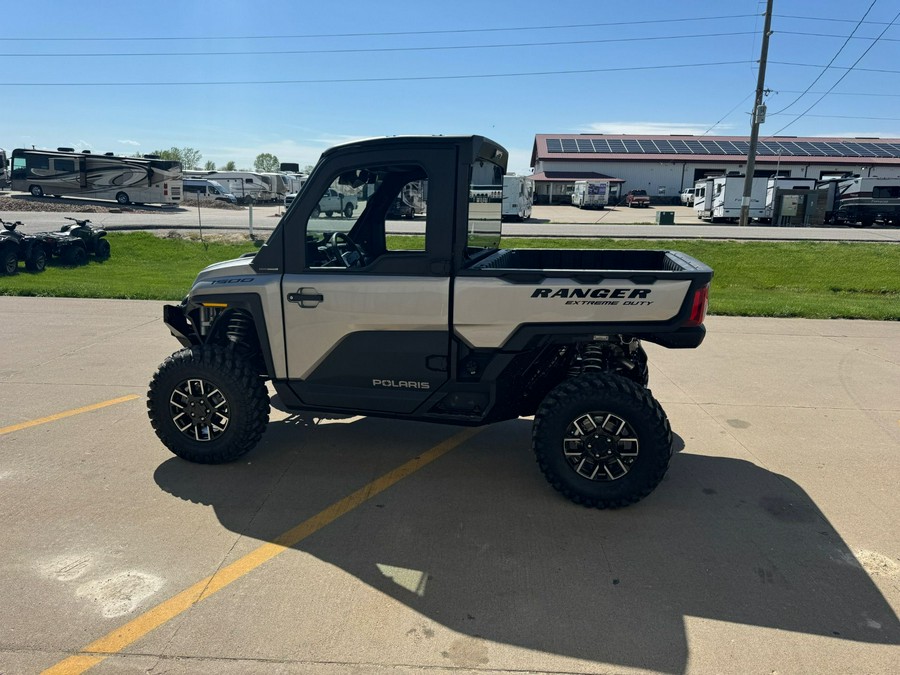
<point>637,198</point>
<point>333,202</point>
<point>461,331</point>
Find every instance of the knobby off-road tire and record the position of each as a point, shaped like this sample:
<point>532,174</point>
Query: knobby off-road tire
<point>102,250</point>
<point>37,262</point>
<point>9,260</point>
<point>602,440</point>
<point>207,405</point>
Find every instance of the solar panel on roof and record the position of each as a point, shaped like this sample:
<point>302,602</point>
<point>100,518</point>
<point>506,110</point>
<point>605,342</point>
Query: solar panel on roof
<point>810,148</point>
<point>765,149</point>
<point>681,147</point>
<point>862,149</point>
<point>600,145</point>
<point>554,145</point>
<point>616,145</point>
<point>665,147</point>
<point>569,145</point>
<point>631,146</point>
<point>648,146</point>
<point>889,149</point>
<point>584,145</point>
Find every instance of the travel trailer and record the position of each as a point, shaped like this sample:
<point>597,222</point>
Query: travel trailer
<point>246,186</point>
<point>518,195</point>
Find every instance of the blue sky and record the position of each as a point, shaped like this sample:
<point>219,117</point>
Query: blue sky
<point>295,105</point>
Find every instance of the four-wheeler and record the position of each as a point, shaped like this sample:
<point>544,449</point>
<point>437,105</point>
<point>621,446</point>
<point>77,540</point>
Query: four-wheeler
<point>341,320</point>
<point>74,242</point>
<point>16,246</point>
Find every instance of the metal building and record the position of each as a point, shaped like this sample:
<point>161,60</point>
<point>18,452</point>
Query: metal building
<point>664,165</point>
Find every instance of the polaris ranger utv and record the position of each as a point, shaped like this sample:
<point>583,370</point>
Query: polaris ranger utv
<point>342,320</point>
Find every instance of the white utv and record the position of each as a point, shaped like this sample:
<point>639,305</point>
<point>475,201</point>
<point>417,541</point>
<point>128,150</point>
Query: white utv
<point>340,319</point>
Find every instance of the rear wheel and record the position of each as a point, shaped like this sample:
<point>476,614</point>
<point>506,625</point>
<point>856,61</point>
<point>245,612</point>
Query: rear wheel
<point>9,260</point>
<point>602,440</point>
<point>348,210</point>
<point>122,198</point>
<point>316,212</point>
<point>207,405</point>
<point>74,256</point>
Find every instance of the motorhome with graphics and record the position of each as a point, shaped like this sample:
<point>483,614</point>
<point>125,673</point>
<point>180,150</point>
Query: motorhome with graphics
<point>66,173</point>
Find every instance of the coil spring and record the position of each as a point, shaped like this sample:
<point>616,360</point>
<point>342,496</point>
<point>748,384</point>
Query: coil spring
<point>239,328</point>
<point>592,357</point>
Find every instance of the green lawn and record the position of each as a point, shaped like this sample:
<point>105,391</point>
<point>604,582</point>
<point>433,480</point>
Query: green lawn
<point>798,279</point>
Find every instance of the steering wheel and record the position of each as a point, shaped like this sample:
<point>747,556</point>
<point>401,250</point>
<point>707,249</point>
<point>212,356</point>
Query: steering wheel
<point>334,248</point>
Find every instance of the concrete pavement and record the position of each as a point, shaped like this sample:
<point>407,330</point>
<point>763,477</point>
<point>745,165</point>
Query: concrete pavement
<point>772,544</point>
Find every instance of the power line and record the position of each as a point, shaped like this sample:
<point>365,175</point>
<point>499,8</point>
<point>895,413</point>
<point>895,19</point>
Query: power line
<point>371,79</point>
<point>847,72</point>
<point>833,35</point>
<point>820,18</point>
<point>838,53</point>
<point>725,116</point>
<point>283,52</point>
<point>374,34</point>
<point>836,93</point>
<point>847,68</point>
<point>837,117</point>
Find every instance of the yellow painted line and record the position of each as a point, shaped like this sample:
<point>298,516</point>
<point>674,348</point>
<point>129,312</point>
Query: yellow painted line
<point>121,637</point>
<point>67,413</point>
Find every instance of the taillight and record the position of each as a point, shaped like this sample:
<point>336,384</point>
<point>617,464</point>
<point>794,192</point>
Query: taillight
<point>698,309</point>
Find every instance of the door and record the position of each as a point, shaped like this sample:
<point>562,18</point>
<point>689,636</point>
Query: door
<point>366,317</point>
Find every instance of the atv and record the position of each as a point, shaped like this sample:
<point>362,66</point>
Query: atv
<point>73,243</point>
<point>16,246</point>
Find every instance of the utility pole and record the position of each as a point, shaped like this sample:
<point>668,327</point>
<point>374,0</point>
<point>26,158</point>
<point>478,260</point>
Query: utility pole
<point>757,118</point>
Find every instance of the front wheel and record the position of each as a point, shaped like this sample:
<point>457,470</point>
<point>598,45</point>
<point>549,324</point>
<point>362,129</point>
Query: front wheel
<point>207,405</point>
<point>103,250</point>
<point>74,256</point>
<point>37,261</point>
<point>36,191</point>
<point>602,440</point>
<point>348,210</point>
<point>9,260</point>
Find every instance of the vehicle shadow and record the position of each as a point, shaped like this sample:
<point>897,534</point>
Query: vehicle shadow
<point>502,557</point>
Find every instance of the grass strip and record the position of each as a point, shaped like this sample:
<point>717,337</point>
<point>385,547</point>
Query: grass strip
<point>817,280</point>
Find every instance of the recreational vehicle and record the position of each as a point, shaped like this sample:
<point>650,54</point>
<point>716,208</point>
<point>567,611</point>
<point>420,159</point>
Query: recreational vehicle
<point>64,172</point>
<point>727,195</point>
<point>703,194</point>
<point>590,194</point>
<point>280,184</point>
<point>867,200</point>
<point>518,195</point>
<point>4,173</point>
<point>245,185</point>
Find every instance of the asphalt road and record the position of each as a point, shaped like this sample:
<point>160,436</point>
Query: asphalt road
<point>771,546</point>
<point>547,221</point>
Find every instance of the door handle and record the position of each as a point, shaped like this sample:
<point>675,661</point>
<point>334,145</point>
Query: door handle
<point>306,298</point>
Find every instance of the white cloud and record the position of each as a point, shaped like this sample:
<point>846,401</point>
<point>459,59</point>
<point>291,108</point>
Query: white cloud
<point>662,128</point>
<point>128,142</point>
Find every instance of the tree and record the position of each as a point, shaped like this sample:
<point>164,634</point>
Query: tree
<point>229,166</point>
<point>266,163</point>
<point>210,165</point>
<point>308,169</point>
<point>188,157</point>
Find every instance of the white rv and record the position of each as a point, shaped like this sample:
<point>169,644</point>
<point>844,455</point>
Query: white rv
<point>199,190</point>
<point>4,173</point>
<point>246,186</point>
<point>590,194</point>
<point>280,184</point>
<point>703,193</point>
<point>518,195</point>
<point>727,195</point>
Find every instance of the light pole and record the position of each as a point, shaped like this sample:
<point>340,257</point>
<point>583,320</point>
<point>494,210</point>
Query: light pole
<point>757,118</point>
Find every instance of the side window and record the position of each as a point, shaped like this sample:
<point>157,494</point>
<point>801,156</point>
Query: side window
<point>348,227</point>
